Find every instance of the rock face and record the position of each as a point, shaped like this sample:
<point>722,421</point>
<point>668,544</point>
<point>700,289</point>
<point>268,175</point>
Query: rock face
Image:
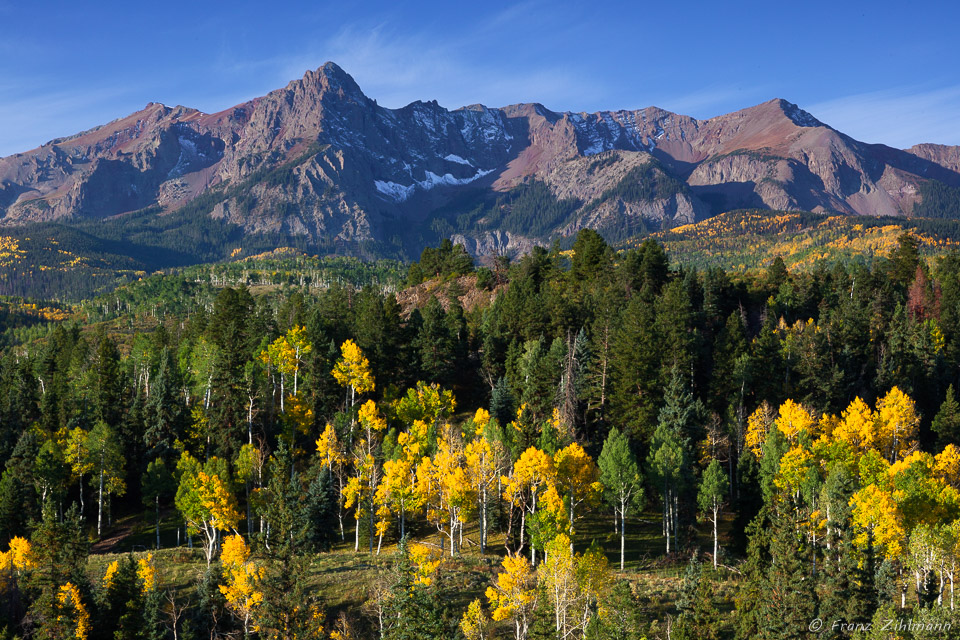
<point>320,159</point>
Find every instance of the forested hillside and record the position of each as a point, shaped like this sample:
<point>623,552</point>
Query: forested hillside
<point>609,445</point>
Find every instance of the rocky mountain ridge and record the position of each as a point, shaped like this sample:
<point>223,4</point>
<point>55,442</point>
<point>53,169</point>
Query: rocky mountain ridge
<point>321,160</point>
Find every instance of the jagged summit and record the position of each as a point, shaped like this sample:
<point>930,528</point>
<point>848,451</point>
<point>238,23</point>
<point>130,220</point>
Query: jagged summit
<point>318,158</point>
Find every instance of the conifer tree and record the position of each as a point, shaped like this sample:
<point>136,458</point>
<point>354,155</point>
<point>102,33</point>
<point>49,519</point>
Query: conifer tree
<point>946,424</point>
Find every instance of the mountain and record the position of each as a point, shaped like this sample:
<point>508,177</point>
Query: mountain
<point>320,161</point>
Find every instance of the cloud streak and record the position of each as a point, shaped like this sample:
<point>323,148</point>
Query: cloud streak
<point>30,120</point>
<point>900,117</point>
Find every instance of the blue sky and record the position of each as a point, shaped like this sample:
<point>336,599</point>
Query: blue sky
<point>880,71</point>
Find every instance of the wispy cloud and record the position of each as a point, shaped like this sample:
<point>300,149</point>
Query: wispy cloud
<point>399,65</point>
<point>29,120</point>
<point>714,101</point>
<point>899,117</point>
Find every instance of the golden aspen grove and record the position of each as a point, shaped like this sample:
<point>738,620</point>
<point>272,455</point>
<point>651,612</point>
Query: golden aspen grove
<point>585,444</point>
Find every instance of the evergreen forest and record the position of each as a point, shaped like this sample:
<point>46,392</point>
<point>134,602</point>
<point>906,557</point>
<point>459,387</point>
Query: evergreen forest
<point>588,442</point>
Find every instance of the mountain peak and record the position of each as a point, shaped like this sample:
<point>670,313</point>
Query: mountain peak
<point>331,77</point>
<point>799,117</point>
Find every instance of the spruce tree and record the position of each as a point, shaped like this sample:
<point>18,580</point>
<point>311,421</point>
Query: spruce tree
<point>790,601</point>
<point>753,588</point>
<point>946,424</point>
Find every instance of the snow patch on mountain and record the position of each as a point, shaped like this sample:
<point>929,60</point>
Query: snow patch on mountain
<point>393,190</point>
<point>401,192</point>
<point>800,117</point>
<point>455,158</point>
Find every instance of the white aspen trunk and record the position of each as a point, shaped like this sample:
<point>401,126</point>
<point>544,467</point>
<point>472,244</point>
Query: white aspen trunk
<point>483,521</point>
<point>452,530</point>
<point>623,532</point>
<point>667,505</point>
<point>100,500</point>
<point>951,590</point>
<point>356,539</point>
<point>715,511</point>
<point>370,526</point>
<point>676,521</point>
<point>250,421</point>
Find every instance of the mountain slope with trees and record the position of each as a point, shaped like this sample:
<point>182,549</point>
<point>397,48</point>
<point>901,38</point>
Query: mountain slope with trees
<point>611,446</point>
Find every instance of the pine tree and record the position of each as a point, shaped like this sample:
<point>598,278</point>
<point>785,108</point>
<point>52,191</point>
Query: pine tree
<point>59,551</point>
<point>121,616</point>
<point>669,457</point>
<point>502,403</point>
<point>790,602</point>
<point>319,511</point>
<point>165,412</point>
<point>752,590</point>
<point>635,358</point>
<point>946,424</point>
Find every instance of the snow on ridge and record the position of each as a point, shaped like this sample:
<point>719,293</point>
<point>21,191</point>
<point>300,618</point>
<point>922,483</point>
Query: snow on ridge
<point>432,180</point>
<point>393,190</point>
<point>455,158</point>
<point>800,117</point>
<point>401,192</point>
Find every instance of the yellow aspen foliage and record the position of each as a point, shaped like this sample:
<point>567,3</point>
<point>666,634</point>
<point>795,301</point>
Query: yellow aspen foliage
<point>593,576</point>
<point>330,449</point>
<point>560,426</point>
<point>352,370</point>
<point>343,629</point>
<point>218,502</point>
<point>875,511</point>
<point>515,595</point>
<point>205,504</point>
<point>557,576</point>
<point>480,421</point>
<point>532,473</point>
<point>795,466</point>
<point>72,611</point>
<point>110,573</point>
<point>899,423</point>
<point>358,486</point>
<point>794,420</point>
<point>425,562</point>
<point>287,352</point>
<point>147,573</point>
<point>857,426</point>
<point>396,493</point>
<point>947,466</point>
<point>370,418</point>
<point>298,413</point>
<point>827,425</point>
<point>578,478</point>
<point>758,425</point>
<point>474,622</point>
<point>21,557</point>
<point>240,592</point>
<point>235,551</point>
<point>445,487</point>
